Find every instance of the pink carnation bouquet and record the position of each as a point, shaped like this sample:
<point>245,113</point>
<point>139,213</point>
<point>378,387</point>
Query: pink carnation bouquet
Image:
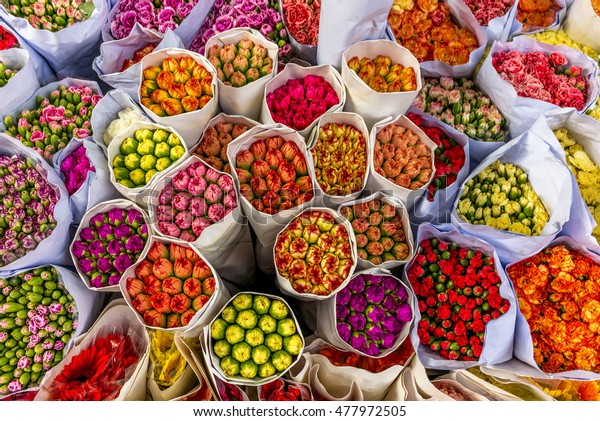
<point>547,77</point>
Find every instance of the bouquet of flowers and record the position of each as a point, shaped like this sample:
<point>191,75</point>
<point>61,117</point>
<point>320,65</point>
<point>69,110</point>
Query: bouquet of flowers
<point>52,15</point>
<point>7,39</point>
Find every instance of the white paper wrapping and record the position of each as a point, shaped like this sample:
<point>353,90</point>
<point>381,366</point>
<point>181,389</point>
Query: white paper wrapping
<point>238,380</point>
<point>244,100</point>
<point>584,129</point>
<point>523,341</point>
<point>550,179</point>
<point>327,319</point>
<point>113,53</point>
<point>85,221</point>
<point>226,244</point>
<point>97,187</point>
<point>117,318</point>
<point>397,203</point>
<point>499,333</point>
<point>371,105</point>
<point>21,85</point>
<point>202,316</point>
<point>498,29</point>
<point>295,71</point>
<point>140,195</point>
<point>348,22</point>
<point>582,24</point>
<point>53,249</point>
<point>285,285</point>
<point>70,49</point>
<point>520,111</point>
<point>192,124</point>
<point>355,120</point>
<point>475,384</point>
<point>377,182</point>
<point>418,387</point>
<point>107,110</point>
<point>438,211</point>
<point>341,383</point>
<point>267,226</point>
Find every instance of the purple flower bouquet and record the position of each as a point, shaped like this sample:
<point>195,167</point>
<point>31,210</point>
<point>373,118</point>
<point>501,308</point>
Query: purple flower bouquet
<point>373,314</point>
<point>111,237</point>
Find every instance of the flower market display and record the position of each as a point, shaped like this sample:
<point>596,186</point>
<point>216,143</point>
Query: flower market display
<point>111,243</point>
<point>213,146</point>
<point>137,56</point>
<point>541,76</point>
<point>449,157</point>
<point>75,169</point>
<point>379,231</point>
<point>273,175</point>
<point>240,64</point>
<point>382,75</point>
<point>340,157</point>
<point>7,39</point>
<point>460,104</point>
<point>371,312</point>
<point>151,14</point>
<point>314,253</point>
<point>534,14</point>
<point>144,155</point>
<point>38,320</point>
<point>5,74</point>
<point>171,285</point>
<point>179,86</point>
<point>255,338</point>
<point>261,15</point>
<point>27,207</point>
<point>301,101</point>
<point>402,158</point>
<point>299,200</point>
<point>586,172</point>
<point>429,31</point>
<point>51,15</point>
<point>55,119</point>
<point>458,294</point>
<point>502,197</point>
<point>558,298</point>
<point>197,197</point>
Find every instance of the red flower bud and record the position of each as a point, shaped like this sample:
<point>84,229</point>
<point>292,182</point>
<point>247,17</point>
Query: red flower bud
<point>180,303</point>
<point>209,285</point>
<point>200,301</point>
<point>172,285</point>
<point>274,158</point>
<point>274,142</point>
<point>187,317</point>
<point>192,287</point>
<point>143,269</point>
<point>157,250</point>
<point>161,301</point>
<point>141,303</point>
<point>258,149</point>
<point>155,318</point>
<point>260,168</point>
<point>173,320</point>
<point>152,284</point>
<point>134,287</point>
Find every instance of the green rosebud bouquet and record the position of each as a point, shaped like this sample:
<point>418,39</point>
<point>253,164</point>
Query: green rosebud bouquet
<point>255,337</point>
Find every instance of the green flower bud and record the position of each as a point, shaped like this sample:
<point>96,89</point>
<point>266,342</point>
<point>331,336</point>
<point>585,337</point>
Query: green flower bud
<point>229,314</point>
<point>129,146</point>
<point>218,328</point>
<point>159,136</point>
<point>261,354</point>
<point>274,342</point>
<point>162,150</point>
<point>138,177</point>
<point>293,344</point>
<point>279,310</point>
<point>248,369</point>
<point>150,174</point>
<point>261,304</point>
<point>241,352</point>
<point>247,319</point>
<point>230,366</point>
<point>222,348</point>
<point>121,173</point>
<point>281,360</point>
<point>254,337</point>
<point>176,152</point>
<point>132,161</point>
<point>242,302</point>
<point>173,140</point>
<point>143,134</point>
<point>127,183</point>
<point>146,147</point>
<point>267,324</point>
<point>234,334</point>
<point>148,162</point>
<point>266,370</point>
<point>286,327</point>
<point>162,164</point>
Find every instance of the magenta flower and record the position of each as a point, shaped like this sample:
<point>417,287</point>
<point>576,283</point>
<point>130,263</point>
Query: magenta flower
<point>375,294</point>
<point>123,262</point>
<point>391,325</point>
<point>134,218</point>
<point>404,313</point>
<point>105,265</point>
<point>358,303</point>
<point>389,284</point>
<point>115,247</point>
<point>134,245</point>
<point>388,340</point>
<point>375,313</point>
<point>358,341</point>
<point>79,249</point>
<point>97,249</point>
<point>88,234</point>
<point>372,349</point>
<point>341,312</point>
<point>105,232</point>
<point>116,216</point>
<point>122,232</point>
<point>344,331</point>
<point>357,321</point>
<point>87,265</point>
<point>375,333</point>
<point>357,284</point>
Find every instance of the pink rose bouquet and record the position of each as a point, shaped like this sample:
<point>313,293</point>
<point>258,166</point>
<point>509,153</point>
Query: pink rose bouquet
<point>158,15</point>
<point>301,101</point>
<point>486,10</point>
<point>195,198</point>
<point>55,120</point>
<point>547,77</point>
<point>75,169</point>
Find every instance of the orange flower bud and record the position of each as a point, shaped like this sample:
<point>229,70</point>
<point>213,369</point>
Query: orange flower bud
<point>141,303</point>
<point>170,64</point>
<point>180,303</point>
<point>177,90</point>
<point>192,287</point>
<point>189,104</point>
<point>172,106</point>
<point>161,301</point>
<point>164,80</point>
<point>155,319</point>
<point>159,95</point>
